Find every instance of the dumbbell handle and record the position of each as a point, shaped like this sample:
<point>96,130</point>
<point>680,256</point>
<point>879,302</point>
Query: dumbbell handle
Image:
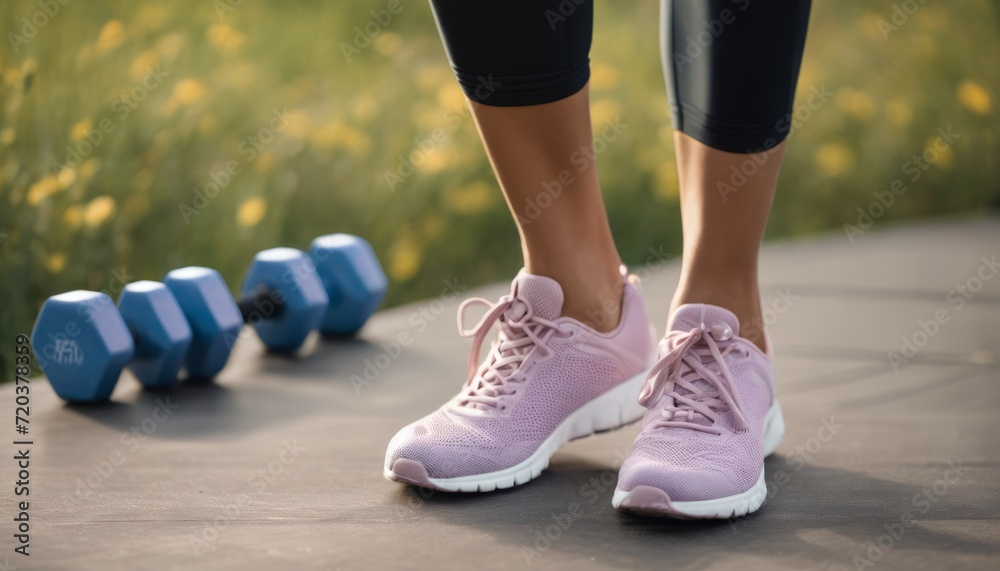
<point>251,304</point>
<point>248,306</point>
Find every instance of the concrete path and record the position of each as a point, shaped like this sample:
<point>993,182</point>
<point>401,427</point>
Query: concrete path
<point>278,465</point>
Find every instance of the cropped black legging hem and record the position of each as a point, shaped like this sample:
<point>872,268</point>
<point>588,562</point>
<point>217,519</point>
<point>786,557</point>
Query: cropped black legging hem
<point>510,53</point>
<point>730,65</point>
<point>521,90</point>
<point>728,137</point>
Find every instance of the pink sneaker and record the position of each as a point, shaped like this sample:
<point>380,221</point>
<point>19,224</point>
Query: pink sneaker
<point>546,380</point>
<point>712,419</point>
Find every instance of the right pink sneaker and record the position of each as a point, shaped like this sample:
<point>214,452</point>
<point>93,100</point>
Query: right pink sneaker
<point>712,419</point>
<point>545,381</point>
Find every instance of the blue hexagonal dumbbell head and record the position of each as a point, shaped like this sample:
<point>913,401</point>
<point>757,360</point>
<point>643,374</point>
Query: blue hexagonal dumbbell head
<point>160,331</point>
<point>82,344</point>
<point>212,314</point>
<point>353,279</point>
<point>285,299</point>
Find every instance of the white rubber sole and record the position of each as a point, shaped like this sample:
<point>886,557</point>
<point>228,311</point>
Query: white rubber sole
<point>650,501</point>
<point>616,408</point>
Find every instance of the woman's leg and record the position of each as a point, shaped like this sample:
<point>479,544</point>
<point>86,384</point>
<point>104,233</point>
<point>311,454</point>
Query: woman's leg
<point>545,379</point>
<point>731,68</point>
<point>723,230</point>
<point>526,78</point>
<point>569,240</point>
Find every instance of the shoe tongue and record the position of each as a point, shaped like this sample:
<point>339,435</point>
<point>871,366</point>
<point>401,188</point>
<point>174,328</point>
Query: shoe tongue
<point>693,315</point>
<point>545,297</point>
<point>543,294</point>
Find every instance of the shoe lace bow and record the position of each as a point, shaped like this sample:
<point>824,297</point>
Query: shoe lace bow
<point>694,375</point>
<point>520,332</point>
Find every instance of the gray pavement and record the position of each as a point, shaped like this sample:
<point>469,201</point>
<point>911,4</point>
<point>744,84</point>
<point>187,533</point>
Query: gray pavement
<point>278,464</point>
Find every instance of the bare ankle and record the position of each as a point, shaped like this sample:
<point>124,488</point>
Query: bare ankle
<point>592,298</point>
<point>600,310</point>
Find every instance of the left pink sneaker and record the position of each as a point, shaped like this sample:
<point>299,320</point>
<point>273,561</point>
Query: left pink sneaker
<point>545,381</point>
<point>712,419</point>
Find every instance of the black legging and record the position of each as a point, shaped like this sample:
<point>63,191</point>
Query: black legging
<point>730,65</point>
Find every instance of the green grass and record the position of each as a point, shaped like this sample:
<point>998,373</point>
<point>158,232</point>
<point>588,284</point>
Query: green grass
<point>117,215</point>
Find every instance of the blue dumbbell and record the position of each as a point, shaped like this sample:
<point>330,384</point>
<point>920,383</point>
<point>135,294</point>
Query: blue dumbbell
<point>83,341</point>
<point>286,295</point>
<point>192,320</point>
<point>282,297</point>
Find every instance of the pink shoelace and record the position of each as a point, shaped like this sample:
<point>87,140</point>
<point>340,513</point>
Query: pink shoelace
<point>521,330</point>
<point>685,375</point>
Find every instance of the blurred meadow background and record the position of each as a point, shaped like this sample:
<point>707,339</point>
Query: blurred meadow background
<point>117,115</point>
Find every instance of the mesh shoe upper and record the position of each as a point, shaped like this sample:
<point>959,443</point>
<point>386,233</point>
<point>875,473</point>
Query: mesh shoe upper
<point>707,398</point>
<point>540,369</point>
